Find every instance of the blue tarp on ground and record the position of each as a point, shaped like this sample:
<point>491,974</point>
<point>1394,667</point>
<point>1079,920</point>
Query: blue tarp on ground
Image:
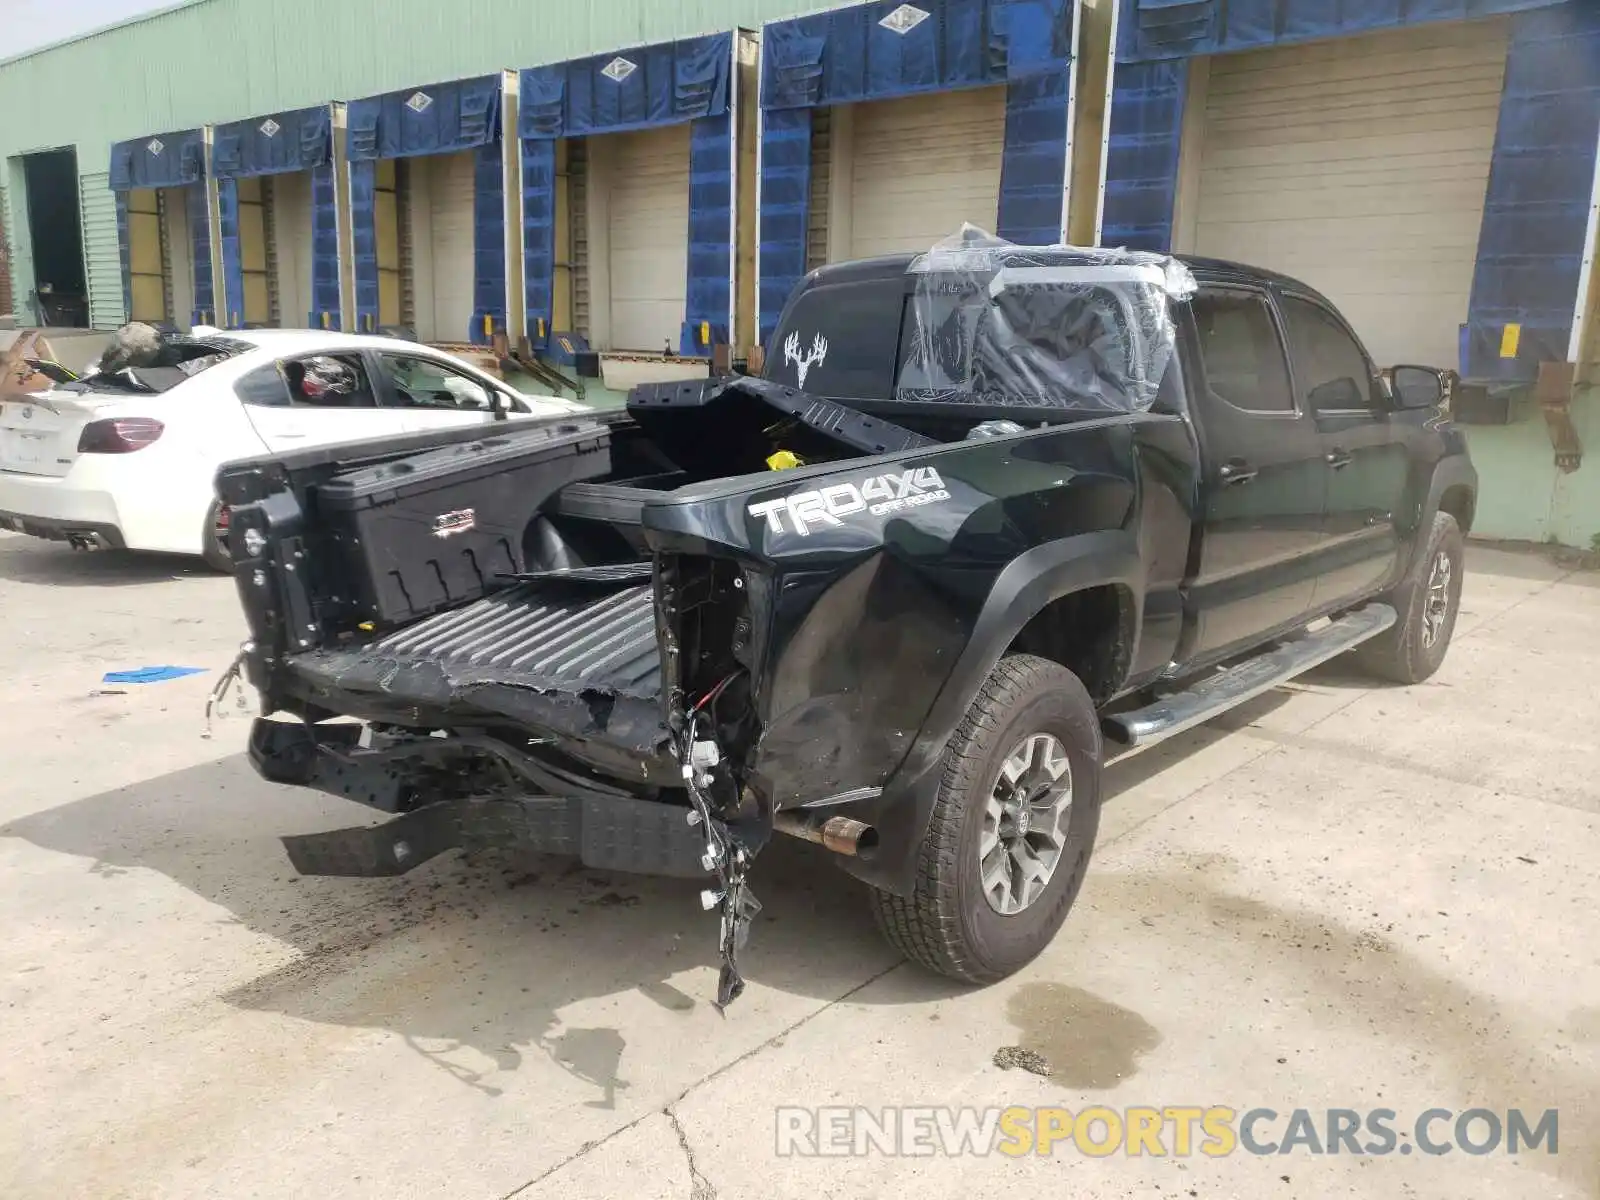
<point>640,88</point>
<point>850,55</point>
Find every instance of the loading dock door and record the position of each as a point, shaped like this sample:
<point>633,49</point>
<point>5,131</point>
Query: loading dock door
<point>177,256</point>
<point>917,168</point>
<point>440,204</point>
<point>146,271</point>
<point>392,267</point>
<point>290,221</point>
<point>648,235</point>
<point>258,305</point>
<point>1358,165</point>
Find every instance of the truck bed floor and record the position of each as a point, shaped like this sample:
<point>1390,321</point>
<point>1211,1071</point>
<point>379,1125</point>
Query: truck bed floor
<point>577,658</point>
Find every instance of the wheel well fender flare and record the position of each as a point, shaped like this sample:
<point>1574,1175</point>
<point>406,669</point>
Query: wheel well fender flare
<point>1451,473</point>
<point>1022,590</point>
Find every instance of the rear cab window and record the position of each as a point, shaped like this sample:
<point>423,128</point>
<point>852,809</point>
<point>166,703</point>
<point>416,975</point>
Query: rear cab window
<point>1072,337</point>
<point>841,340</point>
<point>1240,351</point>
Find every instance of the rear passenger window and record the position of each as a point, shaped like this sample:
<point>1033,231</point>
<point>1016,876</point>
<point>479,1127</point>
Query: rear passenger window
<point>1241,352</point>
<point>1328,363</point>
<point>329,381</point>
<point>263,387</point>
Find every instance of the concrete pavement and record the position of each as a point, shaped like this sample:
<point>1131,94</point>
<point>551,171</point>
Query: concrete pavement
<point>1338,897</point>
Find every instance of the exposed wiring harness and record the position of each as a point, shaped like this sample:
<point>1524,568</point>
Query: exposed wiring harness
<point>725,856</point>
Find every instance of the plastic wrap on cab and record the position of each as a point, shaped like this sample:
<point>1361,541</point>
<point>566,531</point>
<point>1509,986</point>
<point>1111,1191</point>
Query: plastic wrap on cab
<point>1047,327</point>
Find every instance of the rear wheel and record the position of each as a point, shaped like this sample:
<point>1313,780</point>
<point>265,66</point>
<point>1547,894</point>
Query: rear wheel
<point>214,546</point>
<point>1426,603</point>
<point>1012,830</point>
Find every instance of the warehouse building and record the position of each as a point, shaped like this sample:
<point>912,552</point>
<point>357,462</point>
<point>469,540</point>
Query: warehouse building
<point>886,126</point>
<point>427,210</point>
<point>1428,164</point>
<point>636,193</point>
<point>164,227</point>
<point>279,214</point>
<point>629,162</point>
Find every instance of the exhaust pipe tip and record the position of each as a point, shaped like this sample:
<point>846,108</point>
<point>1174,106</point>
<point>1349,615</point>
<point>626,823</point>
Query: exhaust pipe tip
<point>841,835</point>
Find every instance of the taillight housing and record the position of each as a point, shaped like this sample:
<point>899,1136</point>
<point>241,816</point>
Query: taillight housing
<point>118,435</point>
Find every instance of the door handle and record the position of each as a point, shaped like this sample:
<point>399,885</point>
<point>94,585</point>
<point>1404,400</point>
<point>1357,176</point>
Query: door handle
<point>1236,471</point>
<point>1338,458</point>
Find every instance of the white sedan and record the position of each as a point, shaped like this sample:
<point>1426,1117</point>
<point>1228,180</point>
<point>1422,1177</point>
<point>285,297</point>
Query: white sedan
<point>127,460</point>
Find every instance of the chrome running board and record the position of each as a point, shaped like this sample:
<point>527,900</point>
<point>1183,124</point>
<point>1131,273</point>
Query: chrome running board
<point>1216,693</point>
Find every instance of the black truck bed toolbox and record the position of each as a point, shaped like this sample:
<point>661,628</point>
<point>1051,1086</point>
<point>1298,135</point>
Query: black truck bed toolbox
<point>445,527</point>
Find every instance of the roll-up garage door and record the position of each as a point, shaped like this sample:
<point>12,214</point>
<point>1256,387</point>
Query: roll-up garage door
<point>648,236</point>
<point>148,266</point>
<point>254,254</point>
<point>1359,166</point>
<point>450,230</point>
<point>177,256</point>
<point>917,168</point>
<point>290,221</point>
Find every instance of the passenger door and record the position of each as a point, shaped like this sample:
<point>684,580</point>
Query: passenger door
<point>289,419</point>
<point>431,394</point>
<point>1365,452</point>
<point>1264,480</point>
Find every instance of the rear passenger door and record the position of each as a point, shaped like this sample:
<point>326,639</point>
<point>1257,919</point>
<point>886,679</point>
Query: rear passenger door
<point>288,419</point>
<point>1366,454</point>
<point>1264,480</point>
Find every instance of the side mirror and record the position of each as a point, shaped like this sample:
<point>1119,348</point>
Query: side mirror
<point>502,406</point>
<point>1418,387</point>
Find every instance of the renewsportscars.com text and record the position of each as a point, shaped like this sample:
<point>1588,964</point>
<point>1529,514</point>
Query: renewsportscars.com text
<point>1169,1131</point>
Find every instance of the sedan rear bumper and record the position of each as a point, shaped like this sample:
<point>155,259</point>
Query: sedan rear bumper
<point>106,537</point>
<point>47,506</point>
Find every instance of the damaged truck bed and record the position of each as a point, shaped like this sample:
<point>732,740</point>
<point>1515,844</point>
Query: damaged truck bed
<point>988,508</point>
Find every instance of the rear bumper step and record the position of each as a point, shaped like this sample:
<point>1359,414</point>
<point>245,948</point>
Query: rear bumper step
<point>638,837</point>
<point>1215,694</point>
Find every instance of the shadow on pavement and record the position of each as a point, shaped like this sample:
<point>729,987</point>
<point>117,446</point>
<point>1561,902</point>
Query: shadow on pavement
<point>480,955</point>
<point>34,560</point>
<point>474,961</point>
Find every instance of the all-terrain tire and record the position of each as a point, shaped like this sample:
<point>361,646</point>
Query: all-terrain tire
<point>212,549</point>
<point>1403,653</point>
<point>947,924</point>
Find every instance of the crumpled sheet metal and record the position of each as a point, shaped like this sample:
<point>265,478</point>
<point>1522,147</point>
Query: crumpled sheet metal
<point>1049,327</point>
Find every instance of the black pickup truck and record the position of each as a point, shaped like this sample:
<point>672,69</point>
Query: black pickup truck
<point>985,512</point>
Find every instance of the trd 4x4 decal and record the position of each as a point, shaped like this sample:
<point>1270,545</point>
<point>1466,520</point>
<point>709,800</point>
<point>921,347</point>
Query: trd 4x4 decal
<point>879,495</point>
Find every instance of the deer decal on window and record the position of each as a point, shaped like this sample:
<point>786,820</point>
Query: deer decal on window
<point>804,362</point>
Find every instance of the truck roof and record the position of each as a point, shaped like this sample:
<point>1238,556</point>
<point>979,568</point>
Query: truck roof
<point>1213,270</point>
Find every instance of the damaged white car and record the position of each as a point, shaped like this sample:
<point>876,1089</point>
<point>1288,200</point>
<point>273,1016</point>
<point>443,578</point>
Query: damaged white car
<point>125,457</point>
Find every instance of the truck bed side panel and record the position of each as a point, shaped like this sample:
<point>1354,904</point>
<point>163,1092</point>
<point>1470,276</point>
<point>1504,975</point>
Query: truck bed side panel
<point>874,579</point>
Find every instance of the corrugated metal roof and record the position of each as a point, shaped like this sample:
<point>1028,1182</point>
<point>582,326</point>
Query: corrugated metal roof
<point>211,61</point>
<point>98,30</point>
